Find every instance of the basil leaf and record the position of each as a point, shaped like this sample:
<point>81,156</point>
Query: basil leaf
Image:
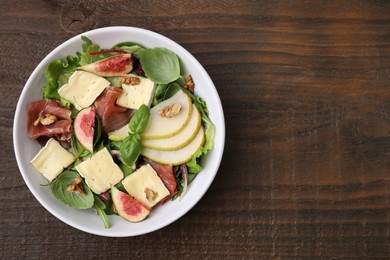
<point>171,90</point>
<point>71,198</point>
<point>130,149</point>
<point>165,91</point>
<point>127,170</point>
<point>159,93</point>
<point>160,65</point>
<point>139,120</point>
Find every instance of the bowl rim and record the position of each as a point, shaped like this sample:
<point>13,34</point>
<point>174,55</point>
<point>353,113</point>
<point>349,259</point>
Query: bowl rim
<point>43,64</point>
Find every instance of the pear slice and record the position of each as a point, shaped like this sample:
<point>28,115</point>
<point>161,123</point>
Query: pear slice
<point>120,134</point>
<point>162,127</point>
<point>176,157</point>
<point>179,140</point>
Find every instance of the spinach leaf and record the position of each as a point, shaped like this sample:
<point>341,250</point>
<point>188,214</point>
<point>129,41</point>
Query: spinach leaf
<point>57,72</point>
<point>139,120</point>
<point>71,198</point>
<point>160,65</point>
<point>130,149</point>
<point>100,209</point>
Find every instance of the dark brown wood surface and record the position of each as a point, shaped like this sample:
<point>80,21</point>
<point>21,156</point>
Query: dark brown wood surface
<point>305,87</point>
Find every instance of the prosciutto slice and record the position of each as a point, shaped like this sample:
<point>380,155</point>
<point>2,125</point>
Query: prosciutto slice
<point>165,172</point>
<point>60,128</point>
<point>113,117</point>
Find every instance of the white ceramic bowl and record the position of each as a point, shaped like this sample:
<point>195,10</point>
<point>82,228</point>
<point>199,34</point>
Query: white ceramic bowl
<point>88,220</point>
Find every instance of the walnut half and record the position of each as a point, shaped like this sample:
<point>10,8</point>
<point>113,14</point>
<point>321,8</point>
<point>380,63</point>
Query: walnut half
<point>76,186</point>
<point>189,84</point>
<point>128,80</point>
<point>47,120</point>
<point>170,111</point>
<point>151,195</point>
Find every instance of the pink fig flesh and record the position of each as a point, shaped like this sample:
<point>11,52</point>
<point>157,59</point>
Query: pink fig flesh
<point>112,66</point>
<point>84,124</point>
<point>127,207</point>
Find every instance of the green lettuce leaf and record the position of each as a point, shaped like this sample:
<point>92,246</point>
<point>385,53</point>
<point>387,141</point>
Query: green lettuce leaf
<point>57,74</point>
<point>194,165</point>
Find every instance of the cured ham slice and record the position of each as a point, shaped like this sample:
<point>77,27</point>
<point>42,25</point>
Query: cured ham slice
<point>60,128</point>
<point>112,116</point>
<point>165,172</point>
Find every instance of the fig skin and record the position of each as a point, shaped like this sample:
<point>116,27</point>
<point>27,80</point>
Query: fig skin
<point>117,65</point>
<point>127,207</point>
<point>84,124</point>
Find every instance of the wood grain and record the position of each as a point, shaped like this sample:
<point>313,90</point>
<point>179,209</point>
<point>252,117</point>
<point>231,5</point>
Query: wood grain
<point>305,91</point>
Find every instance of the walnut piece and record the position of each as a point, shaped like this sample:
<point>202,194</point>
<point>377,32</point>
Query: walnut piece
<point>76,186</point>
<point>130,80</point>
<point>151,195</point>
<point>189,84</point>
<point>47,120</point>
<point>170,110</point>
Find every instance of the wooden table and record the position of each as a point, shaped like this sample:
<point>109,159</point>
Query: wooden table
<point>305,87</point>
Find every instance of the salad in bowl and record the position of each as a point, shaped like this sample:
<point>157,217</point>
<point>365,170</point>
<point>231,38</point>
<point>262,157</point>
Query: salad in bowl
<point>119,124</point>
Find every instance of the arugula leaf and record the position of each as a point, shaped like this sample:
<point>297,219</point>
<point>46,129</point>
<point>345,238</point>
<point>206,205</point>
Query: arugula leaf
<point>139,120</point>
<point>160,65</point>
<point>73,199</point>
<point>57,72</point>
<point>100,209</point>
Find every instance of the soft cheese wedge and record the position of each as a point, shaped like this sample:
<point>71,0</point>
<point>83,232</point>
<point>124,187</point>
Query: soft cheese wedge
<point>184,137</point>
<point>163,127</point>
<point>179,156</point>
<point>52,159</point>
<point>134,96</point>
<point>83,88</point>
<point>100,171</point>
<point>145,186</point>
